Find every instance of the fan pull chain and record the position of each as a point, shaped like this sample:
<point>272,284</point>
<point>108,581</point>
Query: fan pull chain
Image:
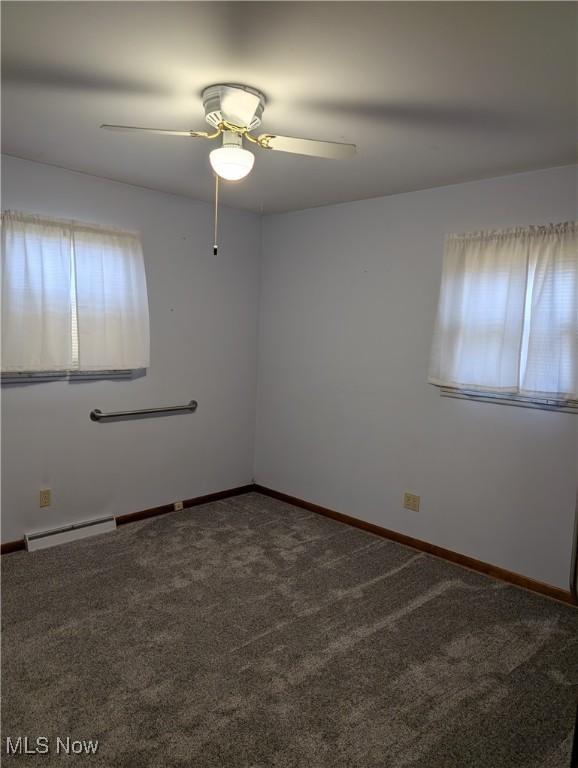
<point>215,245</point>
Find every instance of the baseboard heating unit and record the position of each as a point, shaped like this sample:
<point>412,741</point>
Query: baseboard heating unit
<point>65,533</point>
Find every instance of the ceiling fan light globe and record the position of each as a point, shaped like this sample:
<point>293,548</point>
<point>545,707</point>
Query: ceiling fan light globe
<point>231,163</point>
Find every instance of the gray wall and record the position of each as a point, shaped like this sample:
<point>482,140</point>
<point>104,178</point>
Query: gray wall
<point>345,417</point>
<point>204,314</point>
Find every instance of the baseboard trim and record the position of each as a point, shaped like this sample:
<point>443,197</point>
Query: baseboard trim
<point>143,514</point>
<point>132,517</point>
<point>495,571</point>
<point>12,546</point>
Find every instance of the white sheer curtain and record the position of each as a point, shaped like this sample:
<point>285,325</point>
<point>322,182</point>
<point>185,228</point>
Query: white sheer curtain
<point>111,296</point>
<point>508,313</point>
<point>550,348</point>
<point>74,297</point>
<point>36,294</point>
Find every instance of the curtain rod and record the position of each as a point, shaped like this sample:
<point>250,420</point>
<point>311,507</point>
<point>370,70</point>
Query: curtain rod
<point>34,218</point>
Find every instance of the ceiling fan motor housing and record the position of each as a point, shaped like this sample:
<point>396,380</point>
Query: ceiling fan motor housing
<point>228,102</point>
<point>231,139</point>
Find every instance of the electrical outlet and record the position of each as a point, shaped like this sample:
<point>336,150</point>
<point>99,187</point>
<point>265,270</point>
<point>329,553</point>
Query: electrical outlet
<point>178,505</point>
<point>411,501</point>
<point>45,497</point>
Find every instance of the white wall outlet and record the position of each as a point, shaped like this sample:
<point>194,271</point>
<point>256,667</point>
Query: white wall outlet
<point>45,497</point>
<point>411,501</point>
<point>178,505</point>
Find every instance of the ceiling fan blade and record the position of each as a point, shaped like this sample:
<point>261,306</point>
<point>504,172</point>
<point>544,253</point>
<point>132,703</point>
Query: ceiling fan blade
<point>202,134</point>
<point>332,150</point>
<point>239,104</point>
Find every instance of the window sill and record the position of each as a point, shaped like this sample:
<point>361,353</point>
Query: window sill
<point>570,406</point>
<point>70,376</point>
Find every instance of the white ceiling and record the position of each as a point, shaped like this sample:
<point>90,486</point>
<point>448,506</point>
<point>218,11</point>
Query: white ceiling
<point>432,93</point>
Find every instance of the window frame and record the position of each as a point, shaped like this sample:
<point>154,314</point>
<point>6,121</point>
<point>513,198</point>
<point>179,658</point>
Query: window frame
<point>74,373</point>
<point>547,402</point>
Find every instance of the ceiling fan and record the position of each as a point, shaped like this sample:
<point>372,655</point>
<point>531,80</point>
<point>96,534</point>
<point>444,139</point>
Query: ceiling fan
<point>234,111</point>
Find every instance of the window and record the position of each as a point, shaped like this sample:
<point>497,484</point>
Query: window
<point>508,315</point>
<point>74,298</point>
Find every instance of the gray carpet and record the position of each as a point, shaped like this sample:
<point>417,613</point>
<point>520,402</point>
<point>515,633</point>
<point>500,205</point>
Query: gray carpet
<point>248,632</point>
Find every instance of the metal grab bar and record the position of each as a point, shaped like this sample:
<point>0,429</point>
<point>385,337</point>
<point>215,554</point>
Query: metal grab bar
<point>97,415</point>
